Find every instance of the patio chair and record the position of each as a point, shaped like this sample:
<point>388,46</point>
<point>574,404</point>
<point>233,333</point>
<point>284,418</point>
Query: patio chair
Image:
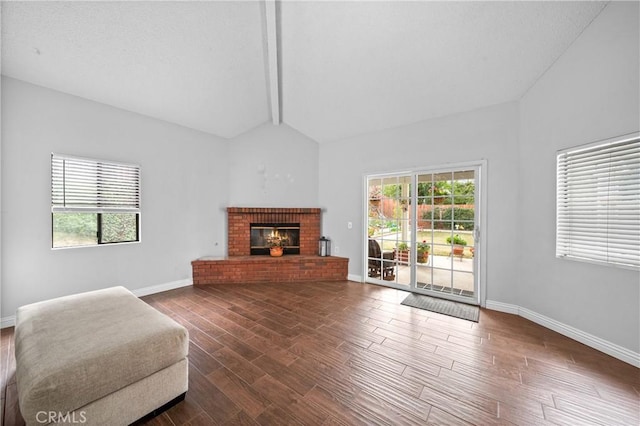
<point>381,263</point>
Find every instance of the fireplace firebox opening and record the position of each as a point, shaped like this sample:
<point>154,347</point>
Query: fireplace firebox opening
<point>260,232</point>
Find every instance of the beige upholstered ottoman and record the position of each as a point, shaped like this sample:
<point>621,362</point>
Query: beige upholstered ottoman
<point>98,358</point>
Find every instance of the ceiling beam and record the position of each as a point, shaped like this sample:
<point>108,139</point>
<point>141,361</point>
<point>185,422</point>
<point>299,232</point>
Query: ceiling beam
<point>272,59</point>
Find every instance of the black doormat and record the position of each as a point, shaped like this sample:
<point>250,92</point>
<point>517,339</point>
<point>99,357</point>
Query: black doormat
<point>441,306</point>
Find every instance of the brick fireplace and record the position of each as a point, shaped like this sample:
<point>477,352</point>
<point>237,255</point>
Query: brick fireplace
<point>241,267</point>
<point>239,220</point>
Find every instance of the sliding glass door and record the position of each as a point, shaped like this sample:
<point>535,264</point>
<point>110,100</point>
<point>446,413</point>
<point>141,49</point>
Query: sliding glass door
<point>423,231</point>
<point>389,229</point>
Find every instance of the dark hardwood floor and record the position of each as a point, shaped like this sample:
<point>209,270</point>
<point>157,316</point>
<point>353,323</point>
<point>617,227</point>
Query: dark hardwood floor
<point>343,353</point>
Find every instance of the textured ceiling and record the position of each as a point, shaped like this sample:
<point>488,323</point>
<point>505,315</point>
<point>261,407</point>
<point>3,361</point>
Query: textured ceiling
<point>198,64</point>
<point>345,68</point>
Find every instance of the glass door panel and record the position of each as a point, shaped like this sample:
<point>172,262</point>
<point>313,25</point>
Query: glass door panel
<point>435,253</point>
<point>389,230</point>
<point>448,212</point>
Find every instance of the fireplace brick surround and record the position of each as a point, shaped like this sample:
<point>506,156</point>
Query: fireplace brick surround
<point>239,220</point>
<point>240,267</point>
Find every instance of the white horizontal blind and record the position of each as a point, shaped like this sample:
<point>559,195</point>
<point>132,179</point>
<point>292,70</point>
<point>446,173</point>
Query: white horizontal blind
<point>598,202</point>
<point>81,184</point>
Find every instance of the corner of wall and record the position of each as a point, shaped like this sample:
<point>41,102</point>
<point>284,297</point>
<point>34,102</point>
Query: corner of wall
<point>616,351</point>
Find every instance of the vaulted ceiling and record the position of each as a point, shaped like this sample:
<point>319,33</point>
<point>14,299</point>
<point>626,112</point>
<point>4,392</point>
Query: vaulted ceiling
<point>328,69</point>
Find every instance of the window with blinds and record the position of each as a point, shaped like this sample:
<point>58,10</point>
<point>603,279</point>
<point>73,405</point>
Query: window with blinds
<point>598,202</point>
<point>93,201</point>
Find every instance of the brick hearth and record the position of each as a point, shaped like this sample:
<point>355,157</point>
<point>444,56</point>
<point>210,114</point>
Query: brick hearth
<point>240,267</point>
<point>261,269</point>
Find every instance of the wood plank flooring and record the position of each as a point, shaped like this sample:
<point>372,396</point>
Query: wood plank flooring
<point>344,353</point>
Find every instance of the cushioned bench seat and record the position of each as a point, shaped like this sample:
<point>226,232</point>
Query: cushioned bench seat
<point>104,355</point>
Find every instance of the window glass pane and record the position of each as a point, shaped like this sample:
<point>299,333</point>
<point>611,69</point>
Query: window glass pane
<point>390,187</point>
<point>462,217</point>
<point>75,229</point>
<point>425,210</point>
<point>119,227</point>
<point>464,200</point>
<point>375,189</point>
<point>401,208</point>
<point>442,201</point>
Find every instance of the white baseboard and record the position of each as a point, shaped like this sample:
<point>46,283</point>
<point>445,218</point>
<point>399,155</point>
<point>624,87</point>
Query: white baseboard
<point>145,291</point>
<point>10,321</point>
<point>616,351</point>
<point>356,278</point>
<point>502,307</point>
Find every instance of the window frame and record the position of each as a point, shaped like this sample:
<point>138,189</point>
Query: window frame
<point>97,203</point>
<point>576,197</point>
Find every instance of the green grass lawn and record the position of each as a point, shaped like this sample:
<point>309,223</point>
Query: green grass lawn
<point>439,245</point>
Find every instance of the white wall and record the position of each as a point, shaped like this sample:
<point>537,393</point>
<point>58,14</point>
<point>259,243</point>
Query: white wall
<point>184,193</point>
<point>273,166</point>
<point>489,133</point>
<point>591,93</point>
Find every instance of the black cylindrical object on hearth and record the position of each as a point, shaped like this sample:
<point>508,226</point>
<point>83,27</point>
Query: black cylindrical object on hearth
<point>324,246</point>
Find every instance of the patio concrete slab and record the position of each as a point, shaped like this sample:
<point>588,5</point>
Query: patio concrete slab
<point>438,272</point>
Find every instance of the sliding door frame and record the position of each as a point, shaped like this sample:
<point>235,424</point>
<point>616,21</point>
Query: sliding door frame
<point>480,234</point>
